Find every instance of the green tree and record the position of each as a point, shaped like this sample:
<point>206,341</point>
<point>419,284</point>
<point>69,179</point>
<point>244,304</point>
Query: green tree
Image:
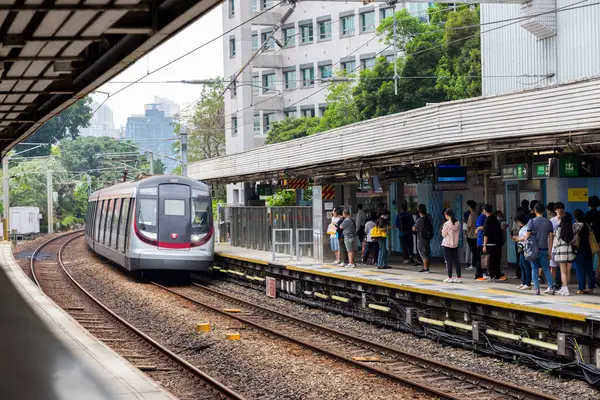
<point>283,197</point>
<point>341,109</point>
<point>65,125</point>
<point>206,124</point>
<point>291,128</point>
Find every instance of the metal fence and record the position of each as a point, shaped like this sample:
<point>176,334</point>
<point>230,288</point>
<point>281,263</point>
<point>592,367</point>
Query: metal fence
<point>267,228</point>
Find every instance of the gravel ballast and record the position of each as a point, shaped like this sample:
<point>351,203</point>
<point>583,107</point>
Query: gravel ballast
<point>493,367</point>
<point>257,366</point>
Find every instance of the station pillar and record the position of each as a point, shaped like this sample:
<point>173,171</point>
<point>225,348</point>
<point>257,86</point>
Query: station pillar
<point>320,224</point>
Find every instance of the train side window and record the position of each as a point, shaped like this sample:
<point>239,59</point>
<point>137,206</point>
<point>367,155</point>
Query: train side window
<point>115,223</point>
<point>109,213</point>
<point>123,225</point>
<point>100,218</point>
<point>88,217</point>
<point>128,224</point>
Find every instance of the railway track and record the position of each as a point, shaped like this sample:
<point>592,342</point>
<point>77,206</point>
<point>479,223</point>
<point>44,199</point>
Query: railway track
<point>50,274</point>
<point>429,376</point>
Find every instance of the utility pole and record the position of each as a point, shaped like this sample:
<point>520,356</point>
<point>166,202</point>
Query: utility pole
<point>184,156</point>
<point>89,184</point>
<point>5,177</point>
<point>151,156</point>
<point>50,202</point>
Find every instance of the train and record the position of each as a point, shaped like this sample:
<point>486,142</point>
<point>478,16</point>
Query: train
<point>157,223</point>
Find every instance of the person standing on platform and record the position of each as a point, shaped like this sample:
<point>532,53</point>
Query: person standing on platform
<point>361,220</point>
<point>424,229</point>
<point>405,222</point>
<point>450,237</point>
<point>333,236</point>
<point>584,261</point>
<point>525,205</point>
<point>531,214</point>
<point>592,217</point>
<point>515,231</point>
<point>383,223</point>
<point>348,226</point>
<point>342,244</point>
<point>371,245</point>
<point>555,213</point>
<point>541,229</point>
<point>562,251</point>
<point>472,236</point>
<point>480,274</point>
<point>492,243</point>
<point>519,239</point>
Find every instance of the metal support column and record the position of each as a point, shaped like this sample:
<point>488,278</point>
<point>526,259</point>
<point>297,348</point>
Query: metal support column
<point>50,202</point>
<point>5,188</point>
<point>184,156</point>
<point>151,159</point>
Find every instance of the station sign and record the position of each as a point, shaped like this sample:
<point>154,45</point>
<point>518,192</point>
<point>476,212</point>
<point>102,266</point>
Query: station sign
<point>578,195</point>
<point>540,170</point>
<point>271,287</point>
<point>569,167</point>
<point>516,172</point>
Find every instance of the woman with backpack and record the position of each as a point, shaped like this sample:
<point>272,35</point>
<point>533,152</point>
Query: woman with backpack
<point>450,235</point>
<point>584,261</point>
<point>562,250</point>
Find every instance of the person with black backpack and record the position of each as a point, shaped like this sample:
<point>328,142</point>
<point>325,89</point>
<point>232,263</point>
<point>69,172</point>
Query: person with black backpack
<point>424,229</point>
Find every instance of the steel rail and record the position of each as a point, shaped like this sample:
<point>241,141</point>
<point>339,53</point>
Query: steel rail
<point>226,391</point>
<point>375,370</point>
<point>462,374</point>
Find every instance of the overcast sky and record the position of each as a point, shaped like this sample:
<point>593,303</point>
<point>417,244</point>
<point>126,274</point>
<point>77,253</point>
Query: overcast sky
<point>202,64</point>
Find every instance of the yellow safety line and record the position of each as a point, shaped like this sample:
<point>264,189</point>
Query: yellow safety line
<point>489,302</point>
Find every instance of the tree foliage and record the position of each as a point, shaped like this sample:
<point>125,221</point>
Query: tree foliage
<point>291,128</point>
<point>206,124</point>
<point>65,125</point>
<point>341,109</point>
<point>281,198</point>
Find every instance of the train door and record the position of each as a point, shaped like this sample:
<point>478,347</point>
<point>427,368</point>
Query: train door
<point>174,222</point>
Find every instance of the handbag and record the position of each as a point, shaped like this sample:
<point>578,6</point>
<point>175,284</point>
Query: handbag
<point>531,250</point>
<point>331,230</point>
<point>593,242</point>
<point>485,261</point>
<point>377,232</point>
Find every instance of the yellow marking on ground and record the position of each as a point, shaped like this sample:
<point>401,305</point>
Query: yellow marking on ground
<point>502,292</point>
<point>232,310</point>
<point>425,281</point>
<point>233,336</point>
<point>250,260</point>
<point>370,359</point>
<point>587,305</point>
<point>204,327</point>
<point>432,292</point>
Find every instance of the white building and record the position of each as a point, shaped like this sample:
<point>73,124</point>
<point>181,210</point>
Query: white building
<point>539,44</point>
<point>169,107</point>
<point>101,123</point>
<point>318,39</point>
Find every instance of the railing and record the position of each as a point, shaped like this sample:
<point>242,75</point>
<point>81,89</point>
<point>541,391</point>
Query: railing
<point>278,246</point>
<point>255,227</point>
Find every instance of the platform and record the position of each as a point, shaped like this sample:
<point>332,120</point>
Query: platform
<point>46,354</point>
<point>503,295</point>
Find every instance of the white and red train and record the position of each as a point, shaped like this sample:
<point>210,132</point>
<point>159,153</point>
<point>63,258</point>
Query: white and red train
<point>157,223</point>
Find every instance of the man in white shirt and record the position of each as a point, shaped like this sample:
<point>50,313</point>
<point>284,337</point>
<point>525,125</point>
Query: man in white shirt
<point>361,220</point>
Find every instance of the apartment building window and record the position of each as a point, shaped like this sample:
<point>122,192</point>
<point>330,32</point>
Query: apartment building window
<point>254,5</point>
<point>289,114</point>
<point>231,5</point>
<point>308,113</point>
<point>254,42</point>
<point>347,25</point>
<point>367,21</point>
<point>348,66</point>
<point>367,63</point>
<point>257,123</point>
<point>231,48</point>
<point>267,3</point>
<point>322,111</point>
<point>385,13</point>
<point>289,36</point>
<point>325,71</point>
<point>290,79</point>
<point>308,76</point>
<point>256,85</point>
<point>390,58</point>
<point>268,82</point>
<point>234,126</point>
<point>306,31</point>
<point>268,43</point>
<point>267,121</point>
<point>325,30</point>
<point>233,86</point>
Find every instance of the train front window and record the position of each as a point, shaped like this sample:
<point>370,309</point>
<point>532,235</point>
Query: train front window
<point>147,216</point>
<point>201,215</point>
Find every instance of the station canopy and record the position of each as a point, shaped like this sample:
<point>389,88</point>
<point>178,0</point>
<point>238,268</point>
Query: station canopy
<point>53,53</point>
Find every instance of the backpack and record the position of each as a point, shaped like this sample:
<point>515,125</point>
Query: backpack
<point>428,234</point>
<point>575,243</point>
<point>531,249</point>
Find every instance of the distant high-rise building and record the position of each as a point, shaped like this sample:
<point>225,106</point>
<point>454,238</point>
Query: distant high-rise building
<point>101,123</point>
<point>169,107</point>
<point>150,131</point>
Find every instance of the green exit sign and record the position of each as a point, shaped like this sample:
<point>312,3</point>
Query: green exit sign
<point>569,167</point>
<point>540,170</point>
